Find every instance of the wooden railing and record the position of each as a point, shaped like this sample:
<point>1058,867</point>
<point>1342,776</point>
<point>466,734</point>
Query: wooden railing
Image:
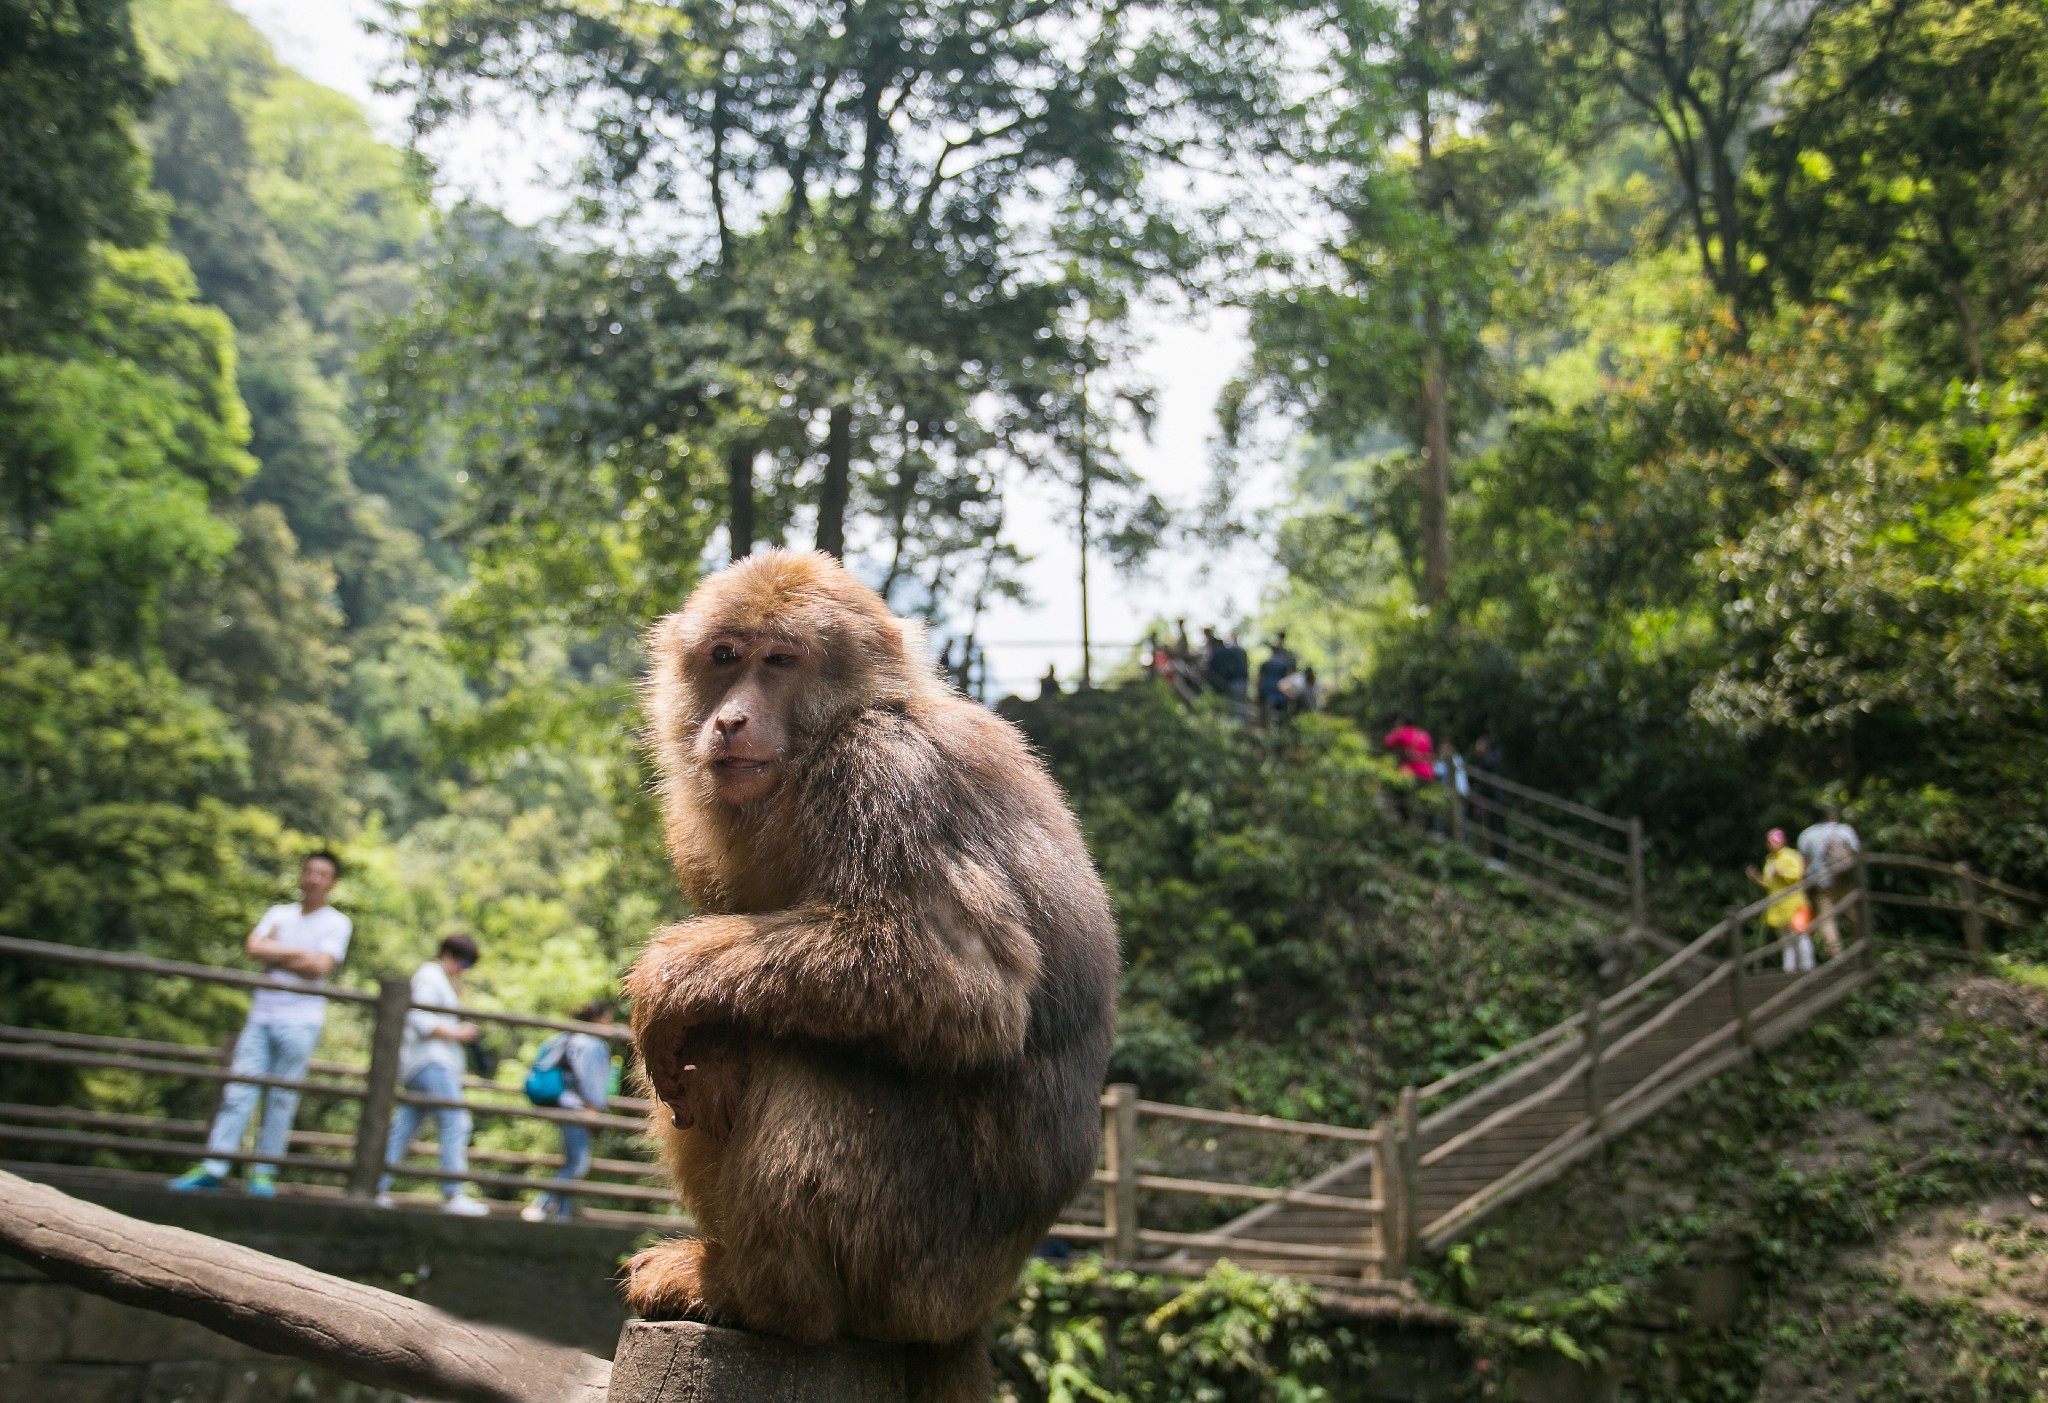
<point>1388,1162</point>
<point>631,1185</point>
<point>1565,849</point>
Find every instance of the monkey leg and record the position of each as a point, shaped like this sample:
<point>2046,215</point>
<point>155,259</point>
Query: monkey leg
<point>666,1282</point>
<point>959,1372</point>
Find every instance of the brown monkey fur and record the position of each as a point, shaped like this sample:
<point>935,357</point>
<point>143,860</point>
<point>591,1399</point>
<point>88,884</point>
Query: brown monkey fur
<point>877,1054</point>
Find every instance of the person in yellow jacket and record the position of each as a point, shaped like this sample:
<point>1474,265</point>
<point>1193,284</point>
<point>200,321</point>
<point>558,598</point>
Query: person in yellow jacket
<point>1783,870</point>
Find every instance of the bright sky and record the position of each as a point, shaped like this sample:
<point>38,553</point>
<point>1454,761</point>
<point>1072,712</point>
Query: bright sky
<point>1188,361</point>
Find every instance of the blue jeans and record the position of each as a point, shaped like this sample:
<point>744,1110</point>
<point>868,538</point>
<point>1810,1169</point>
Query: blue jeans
<point>575,1164</point>
<point>453,1123</point>
<point>263,1050</point>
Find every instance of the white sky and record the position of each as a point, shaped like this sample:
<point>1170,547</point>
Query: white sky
<point>1187,360</point>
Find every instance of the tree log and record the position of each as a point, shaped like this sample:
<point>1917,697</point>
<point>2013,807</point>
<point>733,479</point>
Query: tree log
<point>371,1336</point>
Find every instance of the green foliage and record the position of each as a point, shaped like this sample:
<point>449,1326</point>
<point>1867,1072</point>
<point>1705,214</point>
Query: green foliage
<point>1088,1334</point>
<point>72,82</point>
<point>116,443</point>
<point>1256,874</point>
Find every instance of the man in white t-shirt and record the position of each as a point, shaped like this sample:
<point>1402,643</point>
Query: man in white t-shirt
<point>298,944</point>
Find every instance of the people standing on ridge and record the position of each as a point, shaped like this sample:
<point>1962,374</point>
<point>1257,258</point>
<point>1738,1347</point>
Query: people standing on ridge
<point>1301,691</point>
<point>430,1063</point>
<point>1789,915</point>
<point>1207,659</point>
<point>584,1063</point>
<point>1830,849</point>
<point>1277,667</point>
<point>1411,749</point>
<point>1234,669</point>
<point>297,944</point>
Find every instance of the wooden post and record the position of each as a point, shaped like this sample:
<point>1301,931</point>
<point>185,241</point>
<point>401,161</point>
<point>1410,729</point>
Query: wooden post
<point>373,1127</point>
<point>1738,975</point>
<point>1457,808</point>
<point>680,1361</point>
<point>1866,913</point>
<point>1591,1031</point>
<point>1386,1187</point>
<point>1409,1111</point>
<point>1120,1158</point>
<point>1973,919</point>
<point>1635,875</point>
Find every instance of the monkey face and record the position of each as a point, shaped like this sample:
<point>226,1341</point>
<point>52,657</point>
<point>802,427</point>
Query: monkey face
<point>751,686</point>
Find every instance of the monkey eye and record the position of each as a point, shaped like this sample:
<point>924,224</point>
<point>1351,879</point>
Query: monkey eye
<point>781,659</point>
<point>725,653</point>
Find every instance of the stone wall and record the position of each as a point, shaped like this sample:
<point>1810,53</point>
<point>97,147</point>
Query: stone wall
<point>59,1345</point>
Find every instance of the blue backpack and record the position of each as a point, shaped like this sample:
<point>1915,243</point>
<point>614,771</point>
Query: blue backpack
<point>546,1082</point>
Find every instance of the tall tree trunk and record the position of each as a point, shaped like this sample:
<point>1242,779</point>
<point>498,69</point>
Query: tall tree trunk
<point>838,485</point>
<point>1436,458</point>
<point>739,491</point>
<point>1436,395</point>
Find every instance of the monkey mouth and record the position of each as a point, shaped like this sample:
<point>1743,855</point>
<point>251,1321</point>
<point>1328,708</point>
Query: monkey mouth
<point>740,765</point>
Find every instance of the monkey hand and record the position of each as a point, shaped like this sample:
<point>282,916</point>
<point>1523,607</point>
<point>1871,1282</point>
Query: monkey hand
<point>697,1073</point>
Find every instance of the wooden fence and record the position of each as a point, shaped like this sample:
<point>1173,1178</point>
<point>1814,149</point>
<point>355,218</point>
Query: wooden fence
<point>1449,1154</point>
<point>1566,850</point>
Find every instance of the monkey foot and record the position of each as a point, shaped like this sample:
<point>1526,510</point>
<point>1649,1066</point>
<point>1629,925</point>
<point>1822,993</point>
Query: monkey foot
<point>667,1283</point>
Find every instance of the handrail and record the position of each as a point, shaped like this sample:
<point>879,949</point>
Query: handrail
<point>1617,856</point>
<point>177,969</point>
<point>1525,792</point>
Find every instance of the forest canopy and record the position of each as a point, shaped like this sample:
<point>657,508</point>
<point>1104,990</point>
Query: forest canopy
<point>1657,387</point>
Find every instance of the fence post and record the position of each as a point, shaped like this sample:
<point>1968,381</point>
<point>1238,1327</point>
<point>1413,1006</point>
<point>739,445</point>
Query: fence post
<point>1120,1156</point>
<point>1635,874</point>
<point>373,1126</point>
<point>1457,809</point>
<point>1386,1187</point>
<point>1973,919</point>
<point>1866,914</point>
<point>1409,1109</point>
<point>1596,1109</point>
<point>1738,975</point>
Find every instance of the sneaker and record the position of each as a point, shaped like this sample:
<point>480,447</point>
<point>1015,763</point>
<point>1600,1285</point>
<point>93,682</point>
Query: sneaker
<point>195,1181</point>
<point>463,1206</point>
<point>386,1201</point>
<point>534,1212</point>
<point>263,1186</point>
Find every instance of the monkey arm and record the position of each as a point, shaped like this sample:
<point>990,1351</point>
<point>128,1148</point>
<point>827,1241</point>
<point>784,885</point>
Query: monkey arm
<point>923,989</point>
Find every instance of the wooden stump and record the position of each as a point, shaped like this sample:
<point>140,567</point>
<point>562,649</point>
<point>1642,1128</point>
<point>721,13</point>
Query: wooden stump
<point>678,1361</point>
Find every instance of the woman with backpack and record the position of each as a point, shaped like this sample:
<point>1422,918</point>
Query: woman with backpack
<point>572,1072</point>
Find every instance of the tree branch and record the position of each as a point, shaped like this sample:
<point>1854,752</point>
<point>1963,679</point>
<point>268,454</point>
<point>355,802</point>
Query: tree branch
<point>371,1336</point>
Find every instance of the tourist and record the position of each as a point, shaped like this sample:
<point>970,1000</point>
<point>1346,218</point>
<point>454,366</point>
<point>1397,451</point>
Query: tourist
<point>1789,916</point>
<point>1830,849</point>
<point>1301,690</point>
<point>1412,752</point>
<point>297,944</point>
<point>430,1063</point>
<point>1049,685</point>
<point>1449,769</point>
<point>1233,667</point>
<point>1277,668</point>
<point>1208,659</point>
<point>584,1064</point>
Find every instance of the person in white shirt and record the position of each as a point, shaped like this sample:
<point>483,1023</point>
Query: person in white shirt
<point>1831,850</point>
<point>431,1063</point>
<point>297,944</point>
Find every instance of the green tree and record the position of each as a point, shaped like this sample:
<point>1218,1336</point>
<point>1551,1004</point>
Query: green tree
<point>72,83</point>
<point>1908,167</point>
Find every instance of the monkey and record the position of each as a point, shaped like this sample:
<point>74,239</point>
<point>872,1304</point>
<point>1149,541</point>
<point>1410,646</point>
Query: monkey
<point>876,1055</point>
